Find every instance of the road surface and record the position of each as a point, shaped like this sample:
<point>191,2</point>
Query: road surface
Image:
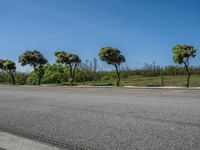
<point>105,118</point>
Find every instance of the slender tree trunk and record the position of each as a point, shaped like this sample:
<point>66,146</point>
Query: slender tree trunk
<point>74,73</point>
<point>162,77</point>
<point>118,76</point>
<point>71,74</point>
<point>40,74</point>
<point>56,81</point>
<point>39,80</point>
<point>188,78</point>
<point>12,78</point>
<point>38,77</point>
<point>188,75</point>
<point>83,77</point>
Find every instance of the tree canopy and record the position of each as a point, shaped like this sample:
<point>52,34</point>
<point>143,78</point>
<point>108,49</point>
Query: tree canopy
<point>111,55</point>
<point>1,63</point>
<point>66,58</point>
<point>33,58</point>
<point>182,53</point>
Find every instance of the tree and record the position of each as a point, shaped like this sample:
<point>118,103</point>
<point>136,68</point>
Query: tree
<point>36,60</point>
<point>69,60</point>
<point>181,55</point>
<point>112,56</point>
<point>9,67</point>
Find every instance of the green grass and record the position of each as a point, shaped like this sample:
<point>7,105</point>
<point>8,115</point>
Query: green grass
<point>91,83</point>
<point>179,80</point>
<point>156,81</point>
<point>150,81</point>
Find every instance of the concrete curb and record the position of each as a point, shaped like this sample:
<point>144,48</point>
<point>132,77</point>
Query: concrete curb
<point>164,87</point>
<point>124,87</point>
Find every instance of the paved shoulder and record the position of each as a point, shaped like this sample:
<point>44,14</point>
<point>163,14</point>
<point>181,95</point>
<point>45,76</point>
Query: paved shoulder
<point>12,142</point>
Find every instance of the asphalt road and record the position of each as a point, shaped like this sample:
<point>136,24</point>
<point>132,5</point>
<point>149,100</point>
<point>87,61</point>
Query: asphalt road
<point>106,118</point>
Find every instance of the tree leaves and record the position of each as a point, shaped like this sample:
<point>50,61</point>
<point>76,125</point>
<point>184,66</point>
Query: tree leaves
<point>182,53</point>
<point>111,55</point>
<point>7,65</point>
<point>33,58</point>
<point>63,57</point>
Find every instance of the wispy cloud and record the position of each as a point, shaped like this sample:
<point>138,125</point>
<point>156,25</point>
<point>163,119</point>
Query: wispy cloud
<point>42,38</point>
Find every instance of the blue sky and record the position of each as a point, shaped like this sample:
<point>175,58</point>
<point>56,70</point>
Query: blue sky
<point>143,30</point>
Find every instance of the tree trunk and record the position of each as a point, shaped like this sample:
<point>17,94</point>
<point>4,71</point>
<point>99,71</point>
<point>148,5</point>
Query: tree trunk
<point>12,78</point>
<point>188,80</point>
<point>162,77</point>
<point>39,76</point>
<point>39,80</point>
<point>71,74</point>
<point>74,73</point>
<point>118,76</point>
<point>188,76</point>
<point>83,78</point>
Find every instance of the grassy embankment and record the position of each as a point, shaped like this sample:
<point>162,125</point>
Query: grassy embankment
<point>178,80</point>
<point>150,81</point>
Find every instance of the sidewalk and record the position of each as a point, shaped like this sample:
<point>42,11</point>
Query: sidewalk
<point>12,142</point>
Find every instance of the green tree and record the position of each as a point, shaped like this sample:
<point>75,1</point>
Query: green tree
<point>181,55</point>
<point>69,60</point>
<point>36,60</point>
<point>21,77</point>
<point>32,78</point>
<point>9,67</point>
<point>54,74</point>
<point>112,56</point>
<point>3,76</point>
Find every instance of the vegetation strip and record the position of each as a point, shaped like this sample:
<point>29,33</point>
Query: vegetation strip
<point>70,70</point>
<point>65,145</point>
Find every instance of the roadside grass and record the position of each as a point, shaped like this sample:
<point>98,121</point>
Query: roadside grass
<point>4,83</point>
<point>178,80</point>
<point>92,83</point>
